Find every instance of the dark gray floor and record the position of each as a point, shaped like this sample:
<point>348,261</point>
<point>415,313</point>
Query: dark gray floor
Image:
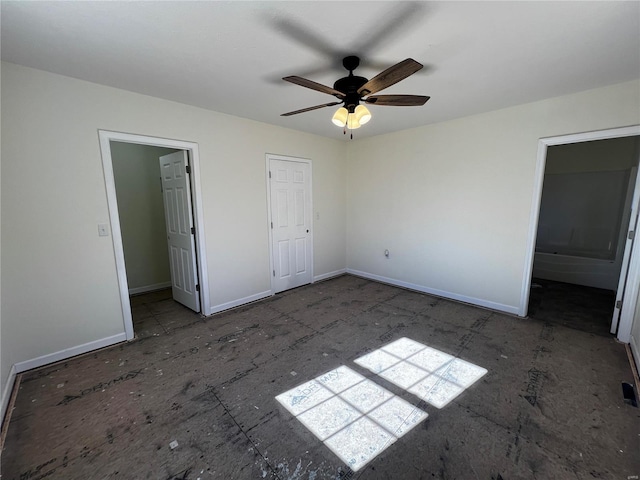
<point>550,406</point>
<point>582,308</point>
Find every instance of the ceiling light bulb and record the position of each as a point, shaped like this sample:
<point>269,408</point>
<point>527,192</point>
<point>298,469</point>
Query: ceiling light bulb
<point>340,117</point>
<point>363,114</point>
<point>352,122</point>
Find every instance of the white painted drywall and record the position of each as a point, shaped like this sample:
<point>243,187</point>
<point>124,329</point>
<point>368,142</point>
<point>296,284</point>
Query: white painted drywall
<point>136,169</point>
<point>60,288</point>
<point>452,201</point>
<point>5,359</point>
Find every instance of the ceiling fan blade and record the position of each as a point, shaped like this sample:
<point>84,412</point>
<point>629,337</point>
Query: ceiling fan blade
<point>398,100</point>
<point>308,109</point>
<point>391,75</point>
<point>314,85</point>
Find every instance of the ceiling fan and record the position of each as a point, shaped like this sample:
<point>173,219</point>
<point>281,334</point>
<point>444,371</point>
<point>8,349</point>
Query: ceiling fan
<point>351,90</point>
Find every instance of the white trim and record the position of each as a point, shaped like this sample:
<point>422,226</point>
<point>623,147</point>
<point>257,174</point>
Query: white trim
<point>630,296</point>
<point>628,246</point>
<point>541,159</point>
<point>107,165</point>
<point>6,392</point>
<point>439,293</point>
<point>149,288</point>
<point>240,301</point>
<point>268,158</point>
<point>635,352</point>
<point>69,352</point>
<point>326,276</point>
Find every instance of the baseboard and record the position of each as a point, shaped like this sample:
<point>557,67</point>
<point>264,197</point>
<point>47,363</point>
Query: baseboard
<point>69,352</point>
<point>149,288</point>
<point>240,301</point>
<point>325,276</point>
<point>438,293</point>
<point>6,392</point>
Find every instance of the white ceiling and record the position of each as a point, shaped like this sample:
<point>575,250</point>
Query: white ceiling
<point>230,56</point>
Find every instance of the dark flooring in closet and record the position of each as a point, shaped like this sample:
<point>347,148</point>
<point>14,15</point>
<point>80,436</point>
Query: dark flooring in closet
<point>199,398</point>
<point>581,308</point>
<point>156,313</point>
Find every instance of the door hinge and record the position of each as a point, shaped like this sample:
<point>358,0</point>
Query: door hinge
<point>197,287</point>
<point>272,225</point>
<point>188,168</point>
<point>619,304</point>
<point>161,189</point>
<point>274,273</point>
<point>632,234</point>
<point>269,173</point>
<point>193,230</point>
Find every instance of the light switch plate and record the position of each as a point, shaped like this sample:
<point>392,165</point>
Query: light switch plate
<point>103,230</point>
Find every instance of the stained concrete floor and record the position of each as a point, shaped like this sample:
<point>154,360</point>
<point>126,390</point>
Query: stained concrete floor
<point>550,405</point>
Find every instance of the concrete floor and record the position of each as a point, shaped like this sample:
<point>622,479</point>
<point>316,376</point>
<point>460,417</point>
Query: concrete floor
<point>550,405</point>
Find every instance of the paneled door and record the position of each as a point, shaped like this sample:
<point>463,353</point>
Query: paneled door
<point>180,232</point>
<point>290,222</point>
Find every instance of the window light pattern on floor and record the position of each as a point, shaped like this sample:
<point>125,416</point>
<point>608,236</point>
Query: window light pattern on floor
<point>355,417</point>
<point>433,376</point>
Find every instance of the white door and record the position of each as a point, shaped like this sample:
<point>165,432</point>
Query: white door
<point>180,231</point>
<point>628,246</point>
<point>290,199</point>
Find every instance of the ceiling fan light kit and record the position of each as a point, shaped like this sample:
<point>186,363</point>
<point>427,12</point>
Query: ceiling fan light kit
<point>359,117</point>
<point>351,90</point>
<point>340,117</point>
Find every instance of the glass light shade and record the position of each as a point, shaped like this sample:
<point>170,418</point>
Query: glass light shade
<point>352,122</point>
<point>340,117</point>
<point>363,114</point>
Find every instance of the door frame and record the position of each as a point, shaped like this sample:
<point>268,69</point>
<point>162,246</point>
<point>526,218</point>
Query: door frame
<point>628,307</point>
<point>633,202</point>
<point>268,158</point>
<point>105,138</point>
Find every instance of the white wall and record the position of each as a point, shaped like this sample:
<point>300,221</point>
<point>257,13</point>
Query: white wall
<point>5,359</point>
<point>452,201</point>
<point>60,288</point>
<point>136,170</point>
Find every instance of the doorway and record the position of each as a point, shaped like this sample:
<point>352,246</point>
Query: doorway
<point>131,277</point>
<point>579,225</point>
<point>290,222</point>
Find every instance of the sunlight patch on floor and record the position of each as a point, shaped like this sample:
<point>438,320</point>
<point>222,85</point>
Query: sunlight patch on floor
<point>433,376</point>
<point>355,417</point>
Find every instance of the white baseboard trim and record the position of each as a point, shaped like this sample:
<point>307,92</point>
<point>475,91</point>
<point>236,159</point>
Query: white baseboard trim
<point>325,276</point>
<point>69,352</point>
<point>439,293</point>
<point>240,301</point>
<point>6,392</point>
<point>149,288</point>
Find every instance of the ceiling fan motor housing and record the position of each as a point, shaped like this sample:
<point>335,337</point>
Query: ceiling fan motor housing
<point>349,86</point>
